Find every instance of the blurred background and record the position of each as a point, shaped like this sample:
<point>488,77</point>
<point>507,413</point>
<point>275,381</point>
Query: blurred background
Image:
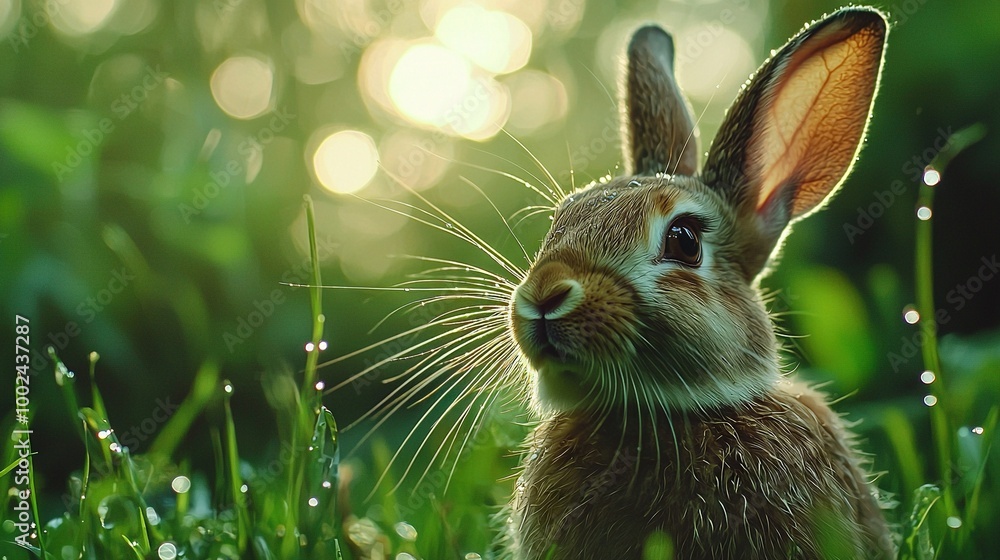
<point>154,156</point>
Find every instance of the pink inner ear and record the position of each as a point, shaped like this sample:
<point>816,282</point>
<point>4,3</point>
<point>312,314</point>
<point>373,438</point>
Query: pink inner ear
<point>808,129</point>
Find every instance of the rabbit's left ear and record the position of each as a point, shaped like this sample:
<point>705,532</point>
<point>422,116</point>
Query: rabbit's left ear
<point>795,130</point>
<point>659,130</point>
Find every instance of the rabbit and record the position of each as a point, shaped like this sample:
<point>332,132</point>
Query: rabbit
<point>664,415</point>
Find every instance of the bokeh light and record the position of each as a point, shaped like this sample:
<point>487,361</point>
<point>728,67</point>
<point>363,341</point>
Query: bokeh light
<point>714,59</point>
<point>427,81</point>
<point>537,99</point>
<point>344,162</point>
<point>496,41</point>
<point>80,17</point>
<point>242,86</point>
<point>10,12</point>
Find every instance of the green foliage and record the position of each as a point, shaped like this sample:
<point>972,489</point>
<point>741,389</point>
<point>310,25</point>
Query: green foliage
<point>123,232</point>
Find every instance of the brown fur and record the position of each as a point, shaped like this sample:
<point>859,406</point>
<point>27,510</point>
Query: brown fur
<point>656,374</point>
<point>774,478</point>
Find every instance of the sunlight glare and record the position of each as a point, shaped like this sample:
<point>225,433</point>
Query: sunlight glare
<point>242,85</point>
<point>80,17</point>
<point>428,81</point>
<point>434,85</point>
<point>496,41</point>
<point>345,161</point>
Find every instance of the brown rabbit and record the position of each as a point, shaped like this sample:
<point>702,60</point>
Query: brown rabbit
<point>654,361</point>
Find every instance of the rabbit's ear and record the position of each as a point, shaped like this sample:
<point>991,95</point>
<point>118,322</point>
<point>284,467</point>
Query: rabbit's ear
<point>660,133</point>
<point>793,133</point>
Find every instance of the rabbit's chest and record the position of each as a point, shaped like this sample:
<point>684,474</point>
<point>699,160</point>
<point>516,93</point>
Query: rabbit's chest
<point>760,483</point>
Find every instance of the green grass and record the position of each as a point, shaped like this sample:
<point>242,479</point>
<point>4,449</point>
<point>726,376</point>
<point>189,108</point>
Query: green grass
<point>153,506</point>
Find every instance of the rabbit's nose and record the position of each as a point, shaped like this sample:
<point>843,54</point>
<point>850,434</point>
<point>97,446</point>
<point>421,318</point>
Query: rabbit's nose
<point>551,302</point>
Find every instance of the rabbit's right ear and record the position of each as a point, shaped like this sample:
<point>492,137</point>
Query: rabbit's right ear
<point>793,133</point>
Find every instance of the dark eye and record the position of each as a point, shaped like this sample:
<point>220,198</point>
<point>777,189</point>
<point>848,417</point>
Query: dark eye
<point>682,242</point>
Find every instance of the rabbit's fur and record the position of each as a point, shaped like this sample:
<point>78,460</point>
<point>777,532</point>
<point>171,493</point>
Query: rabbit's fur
<point>654,360</point>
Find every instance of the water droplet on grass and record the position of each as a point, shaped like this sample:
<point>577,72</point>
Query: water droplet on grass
<point>931,176</point>
<point>406,531</point>
<point>930,400</point>
<point>927,377</point>
<point>180,484</point>
<point>167,551</point>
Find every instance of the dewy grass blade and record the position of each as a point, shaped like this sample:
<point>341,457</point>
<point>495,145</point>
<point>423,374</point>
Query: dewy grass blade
<point>924,283</point>
<point>235,480</point>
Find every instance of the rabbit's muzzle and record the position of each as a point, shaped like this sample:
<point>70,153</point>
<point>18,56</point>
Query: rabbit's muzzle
<point>575,318</point>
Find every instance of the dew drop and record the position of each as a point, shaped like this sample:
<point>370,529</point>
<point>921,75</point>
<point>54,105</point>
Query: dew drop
<point>911,315</point>
<point>167,551</point>
<point>405,531</point>
<point>405,556</point>
<point>322,345</point>
<point>152,516</point>
<point>327,484</point>
<point>180,484</point>
<point>228,387</point>
<point>931,176</point>
<point>954,522</point>
<point>924,213</point>
<point>244,489</point>
<point>927,377</point>
<point>473,556</point>
<point>103,434</point>
<point>313,502</point>
<point>320,385</point>
<point>115,448</point>
<point>310,347</point>
<point>930,400</point>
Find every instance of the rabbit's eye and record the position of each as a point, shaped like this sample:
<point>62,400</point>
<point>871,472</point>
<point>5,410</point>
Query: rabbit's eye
<point>682,242</point>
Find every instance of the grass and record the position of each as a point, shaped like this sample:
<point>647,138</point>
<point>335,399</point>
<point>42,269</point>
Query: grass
<point>153,506</point>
